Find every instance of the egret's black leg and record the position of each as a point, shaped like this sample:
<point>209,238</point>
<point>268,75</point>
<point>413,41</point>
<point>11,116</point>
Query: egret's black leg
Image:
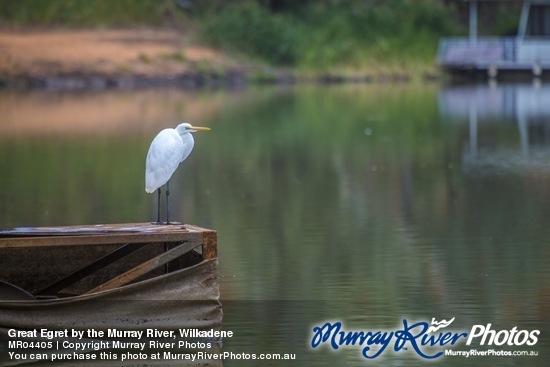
<point>167,205</point>
<point>158,207</point>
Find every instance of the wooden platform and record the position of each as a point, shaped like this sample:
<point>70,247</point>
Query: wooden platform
<point>76,260</point>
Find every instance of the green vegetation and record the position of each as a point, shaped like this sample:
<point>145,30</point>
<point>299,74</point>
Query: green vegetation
<point>254,30</point>
<point>87,13</point>
<point>320,34</point>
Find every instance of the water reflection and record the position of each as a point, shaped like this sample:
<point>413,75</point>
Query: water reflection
<point>361,203</point>
<point>522,105</point>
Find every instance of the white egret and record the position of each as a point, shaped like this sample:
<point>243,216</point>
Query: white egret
<point>168,149</point>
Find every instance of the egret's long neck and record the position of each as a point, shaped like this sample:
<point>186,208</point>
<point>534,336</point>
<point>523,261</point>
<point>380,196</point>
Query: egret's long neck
<point>184,133</point>
<point>187,138</point>
<point>188,143</point>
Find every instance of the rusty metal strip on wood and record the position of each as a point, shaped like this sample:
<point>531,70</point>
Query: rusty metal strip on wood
<point>91,268</point>
<point>209,245</point>
<point>145,267</point>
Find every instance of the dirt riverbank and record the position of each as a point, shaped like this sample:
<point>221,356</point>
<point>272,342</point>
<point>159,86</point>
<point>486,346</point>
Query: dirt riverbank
<point>107,58</point>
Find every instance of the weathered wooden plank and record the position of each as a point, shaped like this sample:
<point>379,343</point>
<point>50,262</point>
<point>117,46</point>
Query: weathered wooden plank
<point>145,267</point>
<point>99,235</point>
<point>54,241</point>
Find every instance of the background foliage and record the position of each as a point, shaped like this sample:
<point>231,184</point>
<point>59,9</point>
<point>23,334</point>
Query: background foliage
<point>308,34</point>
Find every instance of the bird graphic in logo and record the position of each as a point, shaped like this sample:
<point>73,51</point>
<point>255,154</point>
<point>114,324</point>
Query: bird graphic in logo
<point>439,325</point>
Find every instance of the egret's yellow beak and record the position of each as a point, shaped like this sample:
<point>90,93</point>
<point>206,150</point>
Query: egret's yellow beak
<point>199,128</point>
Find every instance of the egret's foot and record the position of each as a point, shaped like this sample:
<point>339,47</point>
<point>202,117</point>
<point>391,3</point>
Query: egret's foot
<point>167,223</point>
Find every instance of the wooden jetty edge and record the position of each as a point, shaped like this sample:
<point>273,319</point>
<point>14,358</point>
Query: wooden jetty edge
<point>133,276</point>
<point>86,259</point>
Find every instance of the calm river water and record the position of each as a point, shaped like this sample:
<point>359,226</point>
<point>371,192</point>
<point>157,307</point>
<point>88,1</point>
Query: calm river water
<point>365,204</point>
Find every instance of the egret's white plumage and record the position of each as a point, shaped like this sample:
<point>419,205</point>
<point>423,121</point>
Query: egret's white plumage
<point>168,149</point>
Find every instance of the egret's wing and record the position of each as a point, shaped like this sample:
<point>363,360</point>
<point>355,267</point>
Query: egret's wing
<point>163,158</point>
